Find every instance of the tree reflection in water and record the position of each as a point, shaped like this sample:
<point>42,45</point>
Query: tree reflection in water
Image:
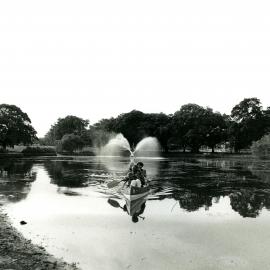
<point>194,183</point>
<point>193,201</point>
<point>16,177</point>
<point>246,203</point>
<point>199,183</point>
<point>67,173</point>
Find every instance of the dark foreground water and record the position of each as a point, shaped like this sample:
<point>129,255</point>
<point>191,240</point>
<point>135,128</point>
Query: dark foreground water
<point>200,214</point>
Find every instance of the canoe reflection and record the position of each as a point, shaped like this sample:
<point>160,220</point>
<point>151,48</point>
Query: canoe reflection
<point>134,208</point>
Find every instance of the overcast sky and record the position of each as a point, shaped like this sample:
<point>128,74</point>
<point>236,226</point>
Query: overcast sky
<point>97,59</point>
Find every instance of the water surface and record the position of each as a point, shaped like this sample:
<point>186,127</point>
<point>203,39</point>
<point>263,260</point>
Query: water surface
<point>200,214</point>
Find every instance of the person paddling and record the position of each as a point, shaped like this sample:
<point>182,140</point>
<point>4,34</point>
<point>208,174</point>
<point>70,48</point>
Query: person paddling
<point>136,182</point>
<point>141,173</point>
<point>131,175</point>
<point>136,176</point>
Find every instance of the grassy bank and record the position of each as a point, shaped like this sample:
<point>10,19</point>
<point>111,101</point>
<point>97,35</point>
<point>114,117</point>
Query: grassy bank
<point>11,155</point>
<point>27,151</point>
<point>207,154</point>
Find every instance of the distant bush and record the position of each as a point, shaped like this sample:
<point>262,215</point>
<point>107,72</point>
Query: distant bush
<point>261,148</point>
<point>39,151</point>
<point>70,143</point>
<point>2,150</point>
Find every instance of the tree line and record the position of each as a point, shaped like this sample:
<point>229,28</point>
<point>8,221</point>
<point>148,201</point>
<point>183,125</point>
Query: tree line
<point>190,128</point>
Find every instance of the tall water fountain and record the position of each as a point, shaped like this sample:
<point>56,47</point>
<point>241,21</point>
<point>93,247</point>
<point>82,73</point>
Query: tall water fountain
<point>147,147</point>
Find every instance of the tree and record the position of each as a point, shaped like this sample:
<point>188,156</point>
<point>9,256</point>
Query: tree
<point>132,126</point>
<point>266,119</point>
<point>68,125</point>
<point>195,126</point>
<point>188,126</point>
<point>99,137</point>
<point>159,126</point>
<point>216,128</point>
<point>137,125</point>
<point>71,142</point>
<point>106,124</point>
<point>249,108</point>
<point>15,127</point>
<point>249,123</point>
<point>261,148</point>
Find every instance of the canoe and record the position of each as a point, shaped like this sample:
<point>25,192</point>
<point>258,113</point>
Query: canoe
<point>135,193</point>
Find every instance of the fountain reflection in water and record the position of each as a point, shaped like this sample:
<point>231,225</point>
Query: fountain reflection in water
<point>119,145</point>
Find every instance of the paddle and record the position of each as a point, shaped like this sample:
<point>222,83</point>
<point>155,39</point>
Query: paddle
<point>114,203</point>
<point>114,183</point>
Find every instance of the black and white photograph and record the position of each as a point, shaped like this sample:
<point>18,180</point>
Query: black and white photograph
<point>134,135</point>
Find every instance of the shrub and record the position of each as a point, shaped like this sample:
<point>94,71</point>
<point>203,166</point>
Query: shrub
<point>261,148</point>
<point>39,151</point>
<point>70,143</point>
<point>2,150</point>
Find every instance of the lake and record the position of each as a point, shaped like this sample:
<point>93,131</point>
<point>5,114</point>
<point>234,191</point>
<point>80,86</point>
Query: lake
<point>201,213</point>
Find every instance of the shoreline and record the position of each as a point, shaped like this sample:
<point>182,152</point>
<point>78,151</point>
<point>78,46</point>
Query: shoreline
<point>18,253</point>
<point>87,154</point>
